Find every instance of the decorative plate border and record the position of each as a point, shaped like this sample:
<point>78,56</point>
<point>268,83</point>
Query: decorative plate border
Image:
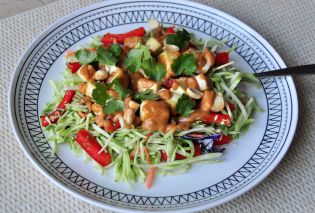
<point>101,18</point>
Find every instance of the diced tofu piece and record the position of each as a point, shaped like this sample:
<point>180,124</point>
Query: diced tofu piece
<point>86,72</point>
<point>98,110</point>
<point>82,87</point>
<point>207,100</point>
<point>153,45</point>
<point>100,75</point>
<point>173,101</point>
<point>192,83</point>
<point>129,103</point>
<point>178,88</point>
<point>129,116</point>
<point>144,84</point>
<point>194,93</point>
<point>166,58</point>
<point>111,68</point>
<point>134,105</point>
<point>132,42</point>
<point>121,75</point>
<point>206,61</point>
<point>134,78</point>
<point>202,81</point>
<point>218,103</point>
<point>158,110</point>
<point>90,86</point>
<point>154,24</point>
<point>164,94</point>
<point>195,52</point>
<point>170,47</point>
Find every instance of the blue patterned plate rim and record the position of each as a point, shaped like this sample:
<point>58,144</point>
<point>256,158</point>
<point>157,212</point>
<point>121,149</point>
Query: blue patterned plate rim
<point>196,6</point>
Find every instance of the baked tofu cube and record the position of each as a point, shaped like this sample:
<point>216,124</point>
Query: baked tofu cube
<point>86,72</point>
<point>203,82</point>
<point>144,84</point>
<point>166,58</point>
<point>122,77</point>
<point>90,86</point>
<point>154,25</point>
<point>153,45</point>
<point>173,101</point>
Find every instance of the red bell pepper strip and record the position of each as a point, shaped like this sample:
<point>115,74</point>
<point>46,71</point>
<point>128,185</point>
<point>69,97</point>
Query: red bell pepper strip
<point>169,83</point>
<point>221,58</point>
<point>196,153</point>
<point>217,118</point>
<point>170,30</point>
<point>54,116</point>
<point>179,157</point>
<point>197,149</point>
<point>92,147</point>
<point>74,66</point>
<point>113,127</point>
<point>147,136</point>
<point>163,156</point>
<point>110,38</point>
<point>232,106</point>
<point>224,139</point>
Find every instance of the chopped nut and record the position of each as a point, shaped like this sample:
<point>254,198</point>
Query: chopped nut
<point>100,75</point>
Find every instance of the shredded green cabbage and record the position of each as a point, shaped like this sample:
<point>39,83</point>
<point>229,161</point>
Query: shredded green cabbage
<point>126,142</point>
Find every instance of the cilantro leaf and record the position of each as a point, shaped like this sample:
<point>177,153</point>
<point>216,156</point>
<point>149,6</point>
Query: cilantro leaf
<point>185,105</point>
<point>122,91</point>
<point>84,56</point>
<point>100,94</point>
<point>135,57</point>
<point>106,57</point>
<point>115,50</point>
<point>113,106</point>
<point>185,63</point>
<point>102,98</point>
<point>179,39</point>
<point>153,70</point>
<point>146,95</point>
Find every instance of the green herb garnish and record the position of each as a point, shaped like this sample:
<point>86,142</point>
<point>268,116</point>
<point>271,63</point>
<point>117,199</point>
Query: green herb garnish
<point>180,39</point>
<point>114,105</point>
<point>153,70</point>
<point>102,98</point>
<point>185,105</point>
<point>122,91</point>
<point>135,58</point>
<point>146,95</point>
<point>105,56</point>
<point>84,56</point>
<point>185,64</point>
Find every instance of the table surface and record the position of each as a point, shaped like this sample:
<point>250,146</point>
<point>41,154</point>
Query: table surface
<point>289,26</point>
<point>13,7</point>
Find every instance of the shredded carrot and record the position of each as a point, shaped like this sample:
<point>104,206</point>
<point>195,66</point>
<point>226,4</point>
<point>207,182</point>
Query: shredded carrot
<point>147,136</point>
<point>133,153</point>
<point>147,155</point>
<point>82,114</point>
<point>150,177</point>
<point>151,172</point>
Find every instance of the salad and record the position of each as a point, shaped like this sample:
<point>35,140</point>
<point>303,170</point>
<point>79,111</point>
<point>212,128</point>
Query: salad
<point>149,102</point>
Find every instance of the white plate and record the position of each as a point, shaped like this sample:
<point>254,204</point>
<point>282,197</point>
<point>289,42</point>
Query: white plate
<point>246,163</point>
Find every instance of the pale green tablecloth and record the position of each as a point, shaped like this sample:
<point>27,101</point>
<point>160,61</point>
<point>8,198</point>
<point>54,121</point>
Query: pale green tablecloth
<point>288,25</point>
